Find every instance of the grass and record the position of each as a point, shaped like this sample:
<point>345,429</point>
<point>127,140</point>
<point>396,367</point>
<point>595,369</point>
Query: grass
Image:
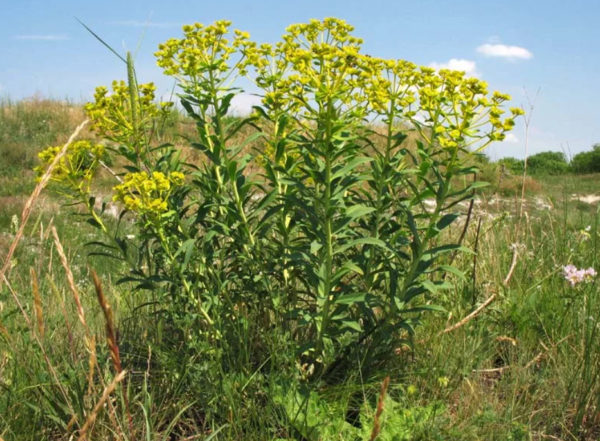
<point>525,367</point>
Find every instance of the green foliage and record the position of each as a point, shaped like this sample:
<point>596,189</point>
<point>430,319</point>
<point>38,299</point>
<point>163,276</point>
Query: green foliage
<point>543,383</point>
<point>314,417</point>
<point>265,286</point>
<point>329,241</point>
<point>513,165</point>
<point>587,162</point>
<point>551,163</point>
<point>328,244</point>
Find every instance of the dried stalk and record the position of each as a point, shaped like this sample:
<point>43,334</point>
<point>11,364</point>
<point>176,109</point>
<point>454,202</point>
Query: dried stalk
<point>41,346</point>
<point>92,362</point>
<point>513,265</point>
<point>31,201</point>
<point>111,338</point>
<point>37,303</point>
<point>94,414</point>
<point>380,403</point>
<point>71,282</point>
<point>470,316</point>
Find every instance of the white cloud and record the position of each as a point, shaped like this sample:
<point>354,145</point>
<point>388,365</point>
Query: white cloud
<point>510,138</point>
<point>504,51</point>
<point>47,37</point>
<point>467,66</point>
<point>145,24</point>
<point>242,103</point>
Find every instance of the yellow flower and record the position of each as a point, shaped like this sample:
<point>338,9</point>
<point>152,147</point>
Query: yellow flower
<point>318,67</point>
<point>74,171</point>
<point>112,115</point>
<point>177,178</point>
<point>203,51</point>
<point>147,194</point>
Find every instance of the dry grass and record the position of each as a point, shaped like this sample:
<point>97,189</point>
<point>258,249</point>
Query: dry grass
<point>99,405</point>
<point>71,281</point>
<point>379,411</point>
<point>33,199</point>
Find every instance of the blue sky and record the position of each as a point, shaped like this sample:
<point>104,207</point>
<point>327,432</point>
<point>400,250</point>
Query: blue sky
<point>516,46</point>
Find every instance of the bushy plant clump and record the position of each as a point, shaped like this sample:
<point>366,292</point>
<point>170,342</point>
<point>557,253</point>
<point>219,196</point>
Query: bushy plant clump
<point>318,252</point>
<point>551,163</point>
<point>587,162</point>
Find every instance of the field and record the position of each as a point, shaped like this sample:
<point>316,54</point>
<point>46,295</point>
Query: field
<point>496,341</point>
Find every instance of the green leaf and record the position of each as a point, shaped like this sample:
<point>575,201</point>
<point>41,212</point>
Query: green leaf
<point>351,165</point>
<point>315,247</point>
<point>446,220</point>
<point>352,324</point>
<point>435,287</point>
<point>187,247</point>
<point>225,103</point>
<point>434,252</point>
<point>362,241</point>
<point>352,267</point>
<point>350,298</point>
<point>358,211</point>
<point>478,184</point>
<point>453,270</point>
<point>421,308</point>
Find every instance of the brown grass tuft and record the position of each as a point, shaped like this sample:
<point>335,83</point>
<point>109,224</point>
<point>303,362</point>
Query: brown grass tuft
<point>380,403</point>
<point>4,331</point>
<point>111,338</point>
<point>37,303</point>
<point>31,201</point>
<point>98,407</point>
<point>92,363</point>
<point>71,280</point>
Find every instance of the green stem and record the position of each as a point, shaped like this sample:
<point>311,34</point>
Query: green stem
<point>381,185</point>
<point>429,232</point>
<point>221,137</point>
<point>325,316</point>
<point>94,215</point>
<point>188,289</point>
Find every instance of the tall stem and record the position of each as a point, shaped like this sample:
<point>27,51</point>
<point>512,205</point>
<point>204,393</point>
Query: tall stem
<point>327,226</point>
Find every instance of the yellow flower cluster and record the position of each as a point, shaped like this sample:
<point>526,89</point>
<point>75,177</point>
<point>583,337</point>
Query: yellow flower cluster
<point>316,63</point>
<point>457,111</point>
<point>112,115</point>
<point>76,168</point>
<point>320,62</point>
<point>391,86</point>
<point>147,194</point>
<point>204,50</point>
<point>318,67</point>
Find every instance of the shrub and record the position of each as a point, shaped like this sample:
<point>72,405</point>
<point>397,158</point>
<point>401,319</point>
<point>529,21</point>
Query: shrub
<point>550,163</point>
<point>321,237</point>
<point>513,165</point>
<point>587,162</point>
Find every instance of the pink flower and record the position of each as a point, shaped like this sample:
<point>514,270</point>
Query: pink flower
<point>575,276</point>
